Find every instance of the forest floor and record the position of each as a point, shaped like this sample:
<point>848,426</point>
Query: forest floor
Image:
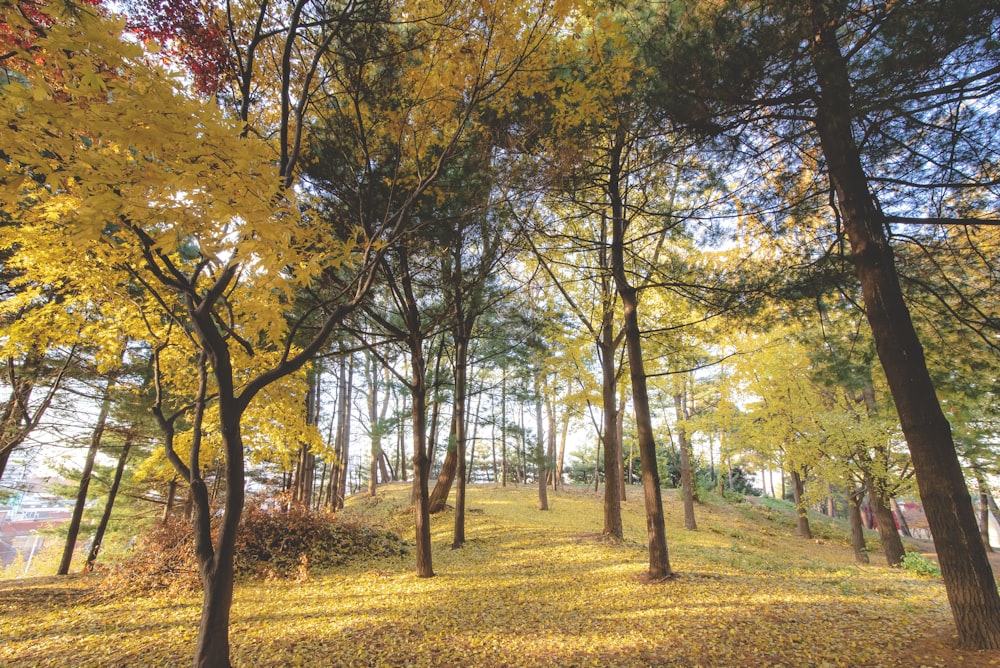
<point>529,588</point>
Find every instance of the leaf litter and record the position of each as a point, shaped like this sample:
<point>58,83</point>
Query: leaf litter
<point>529,588</point>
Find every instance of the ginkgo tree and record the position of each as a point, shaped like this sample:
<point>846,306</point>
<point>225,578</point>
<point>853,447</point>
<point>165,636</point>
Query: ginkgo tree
<point>161,194</point>
<point>196,210</point>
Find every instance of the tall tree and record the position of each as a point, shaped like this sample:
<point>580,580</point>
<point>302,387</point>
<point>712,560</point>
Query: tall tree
<point>867,82</point>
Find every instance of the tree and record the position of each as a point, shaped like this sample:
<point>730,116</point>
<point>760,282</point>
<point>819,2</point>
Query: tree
<point>189,246</point>
<point>838,70</point>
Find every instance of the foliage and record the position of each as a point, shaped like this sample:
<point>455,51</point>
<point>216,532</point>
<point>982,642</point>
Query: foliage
<point>528,589</point>
<point>920,565</point>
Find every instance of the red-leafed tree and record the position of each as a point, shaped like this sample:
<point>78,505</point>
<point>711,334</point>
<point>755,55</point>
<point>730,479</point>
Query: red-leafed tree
<point>188,35</point>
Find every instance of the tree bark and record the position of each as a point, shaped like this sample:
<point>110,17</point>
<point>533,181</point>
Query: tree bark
<point>969,581</point>
<point>446,477</point>
<point>171,495</point>
<point>801,515</point>
<point>892,544</point>
<point>857,528</point>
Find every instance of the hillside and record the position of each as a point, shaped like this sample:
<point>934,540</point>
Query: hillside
<point>530,588</point>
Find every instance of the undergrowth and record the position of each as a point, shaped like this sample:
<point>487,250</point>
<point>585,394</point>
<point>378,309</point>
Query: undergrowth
<point>274,542</point>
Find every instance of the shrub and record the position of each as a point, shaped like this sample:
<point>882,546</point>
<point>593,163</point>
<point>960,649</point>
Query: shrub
<point>920,565</point>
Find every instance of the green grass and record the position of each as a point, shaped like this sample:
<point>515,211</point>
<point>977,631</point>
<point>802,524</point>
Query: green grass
<point>530,588</point>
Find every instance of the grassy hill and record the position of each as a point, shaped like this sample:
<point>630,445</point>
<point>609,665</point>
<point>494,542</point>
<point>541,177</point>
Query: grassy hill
<point>530,588</point>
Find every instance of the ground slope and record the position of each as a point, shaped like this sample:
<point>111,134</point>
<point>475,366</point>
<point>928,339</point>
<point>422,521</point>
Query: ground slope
<point>530,588</point>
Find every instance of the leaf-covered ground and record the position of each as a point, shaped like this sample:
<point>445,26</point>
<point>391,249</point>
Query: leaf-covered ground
<point>530,588</point>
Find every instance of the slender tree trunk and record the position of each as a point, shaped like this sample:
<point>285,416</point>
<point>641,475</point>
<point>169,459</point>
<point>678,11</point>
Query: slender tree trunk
<point>659,561</point>
<point>305,470</point>
<point>12,433</point>
<point>550,448</point>
<point>446,477</point>
<point>421,466</point>
<point>904,527</point>
<point>892,544</point>
<point>88,468</point>
<point>17,421</point>
<point>418,396</point>
<point>687,477</point>
<point>801,515</point>
<point>461,377</point>
<point>857,528</point>
<point>606,348</point>
<point>95,547</point>
<point>540,458</point>
<point>474,439</point>
<point>562,449</point>
<point>493,444</point>
<point>597,465</point>
<point>620,440</point>
<point>344,435</point>
<point>969,581</point>
<point>503,426</point>
<point>984,510</point>
<point>402,467</point>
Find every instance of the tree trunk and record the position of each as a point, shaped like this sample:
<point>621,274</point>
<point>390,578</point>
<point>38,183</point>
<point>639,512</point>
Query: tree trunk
<point>562,450</point>
<point>612,495</point>
<point>171,495</point>
<point>88,468</point>
<point>446,478</point>
<point>969,581</point>
<point>461,377</point>
<point>474,439</point>
<point>687,476</point>
<point>344,435</point>
<point>503,427</point>
<point>540,458</point>
<point>305,470</point>
<point>892,544</point>
<point>659,561</point>
<point>984,510</point>
<point>904,527</point>
<point>12,416</point>
<point>95,547</point>
<point>421,465</point>
<point>16,421</point>
<point>550,448</point>
<point>801,515</point>
<point>857,529</point>
<point>606,348</point>
<point>620,440</point>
